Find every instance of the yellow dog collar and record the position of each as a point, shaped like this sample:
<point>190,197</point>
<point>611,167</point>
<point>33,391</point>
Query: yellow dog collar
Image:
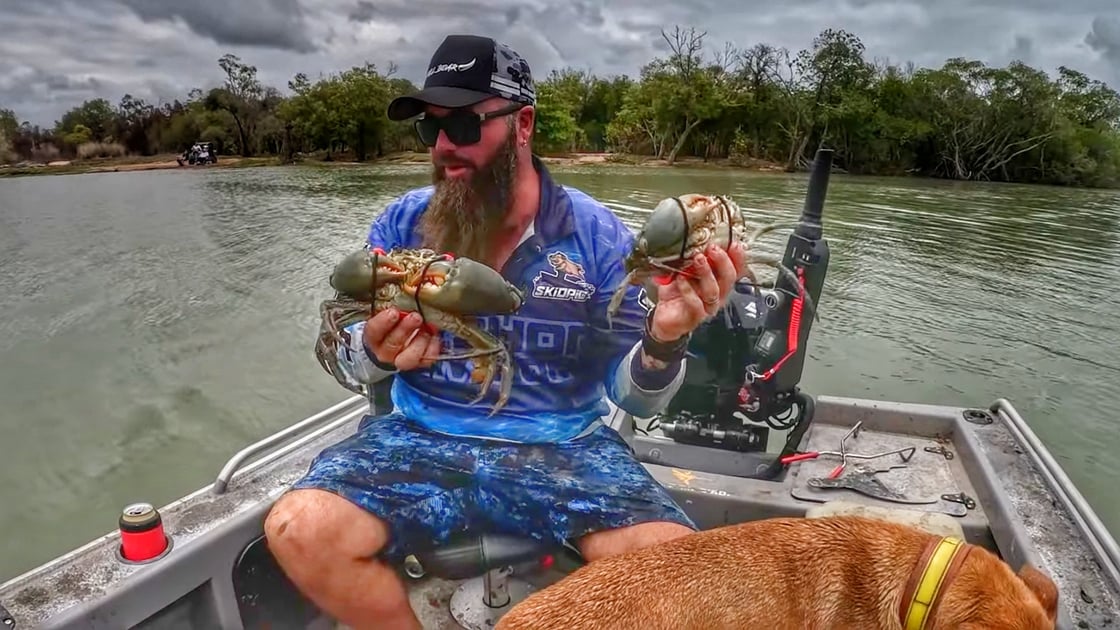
<point>938,564</point>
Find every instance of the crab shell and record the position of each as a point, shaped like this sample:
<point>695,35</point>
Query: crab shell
<point>454,285</point>
<point>681,227</point>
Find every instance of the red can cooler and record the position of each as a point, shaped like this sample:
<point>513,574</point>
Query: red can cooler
<point>142,536</point>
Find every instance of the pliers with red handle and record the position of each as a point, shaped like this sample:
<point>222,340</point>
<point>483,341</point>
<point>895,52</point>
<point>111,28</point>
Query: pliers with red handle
<point>800,457</point>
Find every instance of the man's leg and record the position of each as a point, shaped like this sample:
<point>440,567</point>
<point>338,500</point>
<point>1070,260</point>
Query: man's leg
<point>326,544</point>
<point>592,492</point>
<point>611,542</point>
<point>377,493</point>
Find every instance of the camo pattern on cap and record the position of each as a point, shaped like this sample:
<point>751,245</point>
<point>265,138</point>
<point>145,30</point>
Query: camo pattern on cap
<point>511,76</point>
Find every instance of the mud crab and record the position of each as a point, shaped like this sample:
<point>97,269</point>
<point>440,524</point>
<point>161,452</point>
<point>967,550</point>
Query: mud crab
<point>682,227</point>
<point>447,291</point>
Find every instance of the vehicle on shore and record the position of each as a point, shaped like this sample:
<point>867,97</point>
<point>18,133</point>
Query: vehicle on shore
<point>199,153</point>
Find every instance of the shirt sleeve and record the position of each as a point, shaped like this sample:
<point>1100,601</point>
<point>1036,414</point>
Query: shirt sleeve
<point>637,390</point>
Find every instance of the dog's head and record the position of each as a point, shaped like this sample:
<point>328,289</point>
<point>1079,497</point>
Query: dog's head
<point>988,595</point>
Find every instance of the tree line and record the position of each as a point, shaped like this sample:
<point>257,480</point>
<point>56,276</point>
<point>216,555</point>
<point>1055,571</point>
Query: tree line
<point>965,120</point>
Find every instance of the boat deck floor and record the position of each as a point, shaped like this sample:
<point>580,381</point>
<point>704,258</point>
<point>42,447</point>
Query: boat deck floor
<point>431,600</point>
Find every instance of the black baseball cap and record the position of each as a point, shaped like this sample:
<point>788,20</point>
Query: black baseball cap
<point>468,69</point>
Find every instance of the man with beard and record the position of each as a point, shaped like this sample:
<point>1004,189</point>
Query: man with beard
<point>544,466</point>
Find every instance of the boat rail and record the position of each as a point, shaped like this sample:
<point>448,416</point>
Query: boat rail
<point>1099,538</point>
<point>323,422</point>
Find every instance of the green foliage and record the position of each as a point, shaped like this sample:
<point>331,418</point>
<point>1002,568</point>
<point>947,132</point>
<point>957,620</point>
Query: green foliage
<point>346,110</point>
<point>557,129</point>
<point>9,124</point>
<point>9,127</point>
<point>96,116</point>
<point>963,120</point>
<point>79,135</point>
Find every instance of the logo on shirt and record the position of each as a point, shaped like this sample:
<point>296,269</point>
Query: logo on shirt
<point>563,280</point>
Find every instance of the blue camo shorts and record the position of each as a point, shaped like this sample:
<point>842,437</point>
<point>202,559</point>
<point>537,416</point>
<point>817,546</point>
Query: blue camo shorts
<point>429,486</point>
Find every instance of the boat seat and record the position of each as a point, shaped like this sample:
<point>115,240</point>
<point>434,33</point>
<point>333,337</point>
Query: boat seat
<point>494,568</point>
<point>935,523</point>
<point>471,556</point>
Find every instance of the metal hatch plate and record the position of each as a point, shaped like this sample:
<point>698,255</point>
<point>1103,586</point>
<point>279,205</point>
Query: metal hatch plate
<point>924,480</point>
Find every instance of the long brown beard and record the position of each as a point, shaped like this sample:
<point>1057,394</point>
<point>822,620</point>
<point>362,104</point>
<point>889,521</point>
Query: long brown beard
<point>463,216</point>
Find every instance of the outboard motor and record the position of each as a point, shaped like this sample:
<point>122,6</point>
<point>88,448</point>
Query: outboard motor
<point>744,366</point>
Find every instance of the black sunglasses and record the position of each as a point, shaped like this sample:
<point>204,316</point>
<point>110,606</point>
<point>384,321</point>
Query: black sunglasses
<point>463,127</point>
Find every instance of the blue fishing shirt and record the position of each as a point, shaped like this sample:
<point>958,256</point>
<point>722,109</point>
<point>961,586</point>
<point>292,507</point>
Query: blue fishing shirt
<point>565,359</point>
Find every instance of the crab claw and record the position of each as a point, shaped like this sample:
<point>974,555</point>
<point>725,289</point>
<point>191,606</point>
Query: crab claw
<point>666,229</point>
<point>361,272</point>
<point>465,287</point>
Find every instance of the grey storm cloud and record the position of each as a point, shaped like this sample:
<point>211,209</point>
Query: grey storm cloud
<point>265,23</point>
<point>1105,37</point>
<point>56,53</point>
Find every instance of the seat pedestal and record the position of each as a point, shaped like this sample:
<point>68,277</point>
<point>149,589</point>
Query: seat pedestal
<point>479,602</point>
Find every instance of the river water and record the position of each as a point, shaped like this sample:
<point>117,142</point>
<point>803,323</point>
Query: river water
<point>153,323</point>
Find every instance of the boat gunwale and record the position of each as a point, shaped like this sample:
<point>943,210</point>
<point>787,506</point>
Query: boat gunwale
<point>1104,545</point>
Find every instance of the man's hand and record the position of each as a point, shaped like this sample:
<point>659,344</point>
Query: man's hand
<point>689,300</point>
<point>400,340</point>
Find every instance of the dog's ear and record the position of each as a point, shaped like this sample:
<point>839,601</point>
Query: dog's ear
<point>1042,587</point>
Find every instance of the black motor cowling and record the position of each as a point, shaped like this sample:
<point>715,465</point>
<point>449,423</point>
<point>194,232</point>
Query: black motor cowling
<point>747,362</point>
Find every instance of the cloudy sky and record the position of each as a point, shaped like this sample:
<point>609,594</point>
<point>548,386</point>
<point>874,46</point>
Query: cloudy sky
<point>56,53</point>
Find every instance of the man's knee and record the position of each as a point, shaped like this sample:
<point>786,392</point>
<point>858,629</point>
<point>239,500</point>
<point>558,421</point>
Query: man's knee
<point>306,526</point>
<point>612,542</point>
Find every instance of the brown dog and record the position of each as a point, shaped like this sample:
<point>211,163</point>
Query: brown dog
<point>835,573</point>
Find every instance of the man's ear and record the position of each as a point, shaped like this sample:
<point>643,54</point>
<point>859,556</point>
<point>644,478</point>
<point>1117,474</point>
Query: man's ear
<point>526,117</point>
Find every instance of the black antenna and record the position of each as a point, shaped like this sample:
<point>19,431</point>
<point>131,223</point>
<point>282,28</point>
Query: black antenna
<point>810,226</point>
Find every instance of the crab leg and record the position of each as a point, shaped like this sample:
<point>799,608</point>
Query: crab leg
<point>492,356</point>
<point>334,316</point>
